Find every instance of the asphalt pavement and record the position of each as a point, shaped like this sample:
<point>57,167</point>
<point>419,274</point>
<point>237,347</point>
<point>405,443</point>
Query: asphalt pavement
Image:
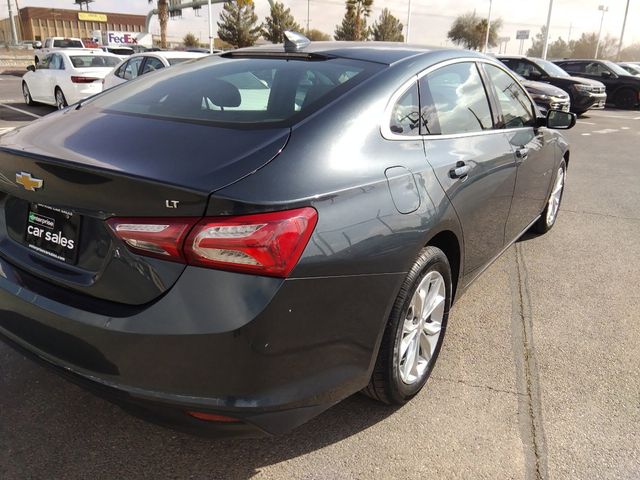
<point>539,377</point>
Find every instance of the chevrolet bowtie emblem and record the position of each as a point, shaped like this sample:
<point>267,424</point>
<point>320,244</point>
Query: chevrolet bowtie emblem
<point>28,182</point>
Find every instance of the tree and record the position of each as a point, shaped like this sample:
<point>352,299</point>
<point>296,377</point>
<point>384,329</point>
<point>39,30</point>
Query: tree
<point>278,22</point>
<point>470,31</point>
<point>354,23</point>
<point>630,53</point>
<point>387,28</point>
<point>238,23</point>
<point>585,46</point>
<point>190,40</point>
<point>163,18</point>
<point>316,35</point>
<point>557,49</point>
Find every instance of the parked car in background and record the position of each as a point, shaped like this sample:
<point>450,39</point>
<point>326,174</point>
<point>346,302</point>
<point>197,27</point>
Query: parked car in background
<point>546,96</point>
<point>623,89</point>
<point>584,94</point>
<point>50,44</point>
<point>122,52</point>
<point>632,68</point>
<point>65,77</point>
<point>263,257</point>
<point>141,63</point>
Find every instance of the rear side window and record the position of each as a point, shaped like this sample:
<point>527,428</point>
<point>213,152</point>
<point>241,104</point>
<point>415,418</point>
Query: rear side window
<point>405,116</point>
<point>151,65</point>
<point>239,91</point>
<point>573,67</point>
<point>516,107</point>
<point>130,71</point>
<point>455,101</point>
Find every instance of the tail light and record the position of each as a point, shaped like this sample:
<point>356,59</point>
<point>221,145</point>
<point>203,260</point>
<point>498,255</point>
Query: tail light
<point>264,244</point>
<point>76,79</point>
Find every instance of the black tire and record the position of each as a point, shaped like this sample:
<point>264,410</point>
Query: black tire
<point>61,101</point>
<point>626,98</point>
<point>26,94</point>
<point>543,225</point>
<point>386,384</point>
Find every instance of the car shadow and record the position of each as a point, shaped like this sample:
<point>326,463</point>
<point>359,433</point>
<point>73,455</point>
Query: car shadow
<point>55,429</point>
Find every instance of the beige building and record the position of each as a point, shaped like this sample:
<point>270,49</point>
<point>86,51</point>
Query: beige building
<point>36,23</point>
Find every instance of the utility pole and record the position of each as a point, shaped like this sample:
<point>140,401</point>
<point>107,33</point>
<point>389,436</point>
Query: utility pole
<point>546,36</point>
<point>406,38</point>
<point>570,30</point>
<point>624,24</point>
<point>14,34</point>
<point>486,38</point>
<point>210,29</point>
<point>604,9</point>
<point>308,16</point>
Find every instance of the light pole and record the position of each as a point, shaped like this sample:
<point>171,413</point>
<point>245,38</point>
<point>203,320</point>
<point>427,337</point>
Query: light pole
<point>406,39</point>
<point>624,24</point>
<point>486,38</point>
<point>546,36</point>
<point>604,9</point>
<point>210,29</point>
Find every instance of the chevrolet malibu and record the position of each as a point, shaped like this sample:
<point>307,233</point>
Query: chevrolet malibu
<point>238,255</point>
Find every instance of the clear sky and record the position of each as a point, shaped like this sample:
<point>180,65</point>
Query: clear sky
<point>430,19</point>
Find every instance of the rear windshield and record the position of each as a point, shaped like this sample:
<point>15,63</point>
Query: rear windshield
<point>89,61</point>
<point>120,51</point>
<point>67,43</point>
<point>239,91</point>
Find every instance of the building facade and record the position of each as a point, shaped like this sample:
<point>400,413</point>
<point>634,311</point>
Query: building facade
<point>36,23</point>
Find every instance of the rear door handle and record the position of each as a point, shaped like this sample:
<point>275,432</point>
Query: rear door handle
<point>522,153</point>
<point>461,170</point>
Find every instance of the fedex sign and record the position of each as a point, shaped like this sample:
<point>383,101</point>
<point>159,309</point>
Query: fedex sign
<point>121,38</point>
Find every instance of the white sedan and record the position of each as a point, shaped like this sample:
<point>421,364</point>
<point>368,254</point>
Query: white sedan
<point>67,77</point>
<point>146,62</point>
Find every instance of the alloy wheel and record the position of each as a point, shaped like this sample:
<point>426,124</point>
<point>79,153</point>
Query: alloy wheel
<point>555,197</point>
<point>60,100</point>
<point>422,327</point>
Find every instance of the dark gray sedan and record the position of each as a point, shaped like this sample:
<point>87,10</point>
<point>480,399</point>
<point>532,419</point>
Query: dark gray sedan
<point>240,242</point>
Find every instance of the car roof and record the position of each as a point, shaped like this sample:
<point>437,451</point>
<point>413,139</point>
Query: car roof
<point>380,52</point>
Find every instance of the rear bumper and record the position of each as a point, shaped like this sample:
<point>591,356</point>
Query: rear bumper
<point>80,91</point>
<point>268,352</point>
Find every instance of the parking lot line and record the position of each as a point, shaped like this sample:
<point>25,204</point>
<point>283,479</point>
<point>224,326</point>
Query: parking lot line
<point>20,110</point>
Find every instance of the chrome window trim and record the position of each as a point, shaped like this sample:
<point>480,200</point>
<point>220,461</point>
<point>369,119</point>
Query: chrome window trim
<point>389,135</point>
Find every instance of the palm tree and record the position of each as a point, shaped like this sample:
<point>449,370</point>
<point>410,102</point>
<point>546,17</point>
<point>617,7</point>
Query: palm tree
<point>163,17</point>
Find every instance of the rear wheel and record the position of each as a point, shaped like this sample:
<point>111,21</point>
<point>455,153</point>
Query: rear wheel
<point>548,218</point>
<point>26,94</point>
<point>61,101</point>
<point>626,98</point>
<point>415,330</point>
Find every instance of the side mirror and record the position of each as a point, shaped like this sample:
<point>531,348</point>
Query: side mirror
<point>31,68</point>
<point>559,120</point>
<point>535,75</point>
<point>37,44</point>
<point>606,74</point>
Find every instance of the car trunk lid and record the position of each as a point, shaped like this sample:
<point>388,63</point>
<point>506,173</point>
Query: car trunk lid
<point>99,165</point>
